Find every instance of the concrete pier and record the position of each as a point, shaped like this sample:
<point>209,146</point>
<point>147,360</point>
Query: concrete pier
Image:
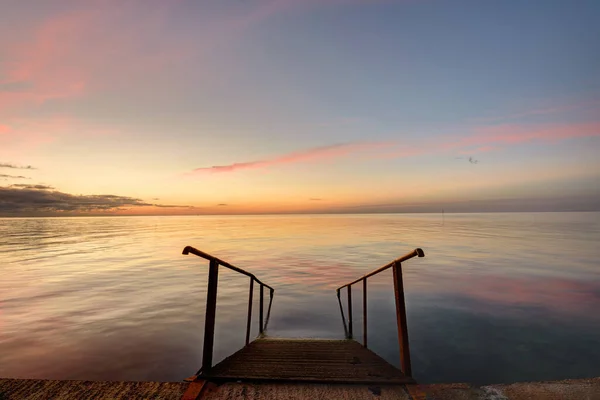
<point>34,389</point>
<point>41,389</point>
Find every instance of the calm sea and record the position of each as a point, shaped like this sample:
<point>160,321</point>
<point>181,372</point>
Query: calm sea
<point>497,298</point>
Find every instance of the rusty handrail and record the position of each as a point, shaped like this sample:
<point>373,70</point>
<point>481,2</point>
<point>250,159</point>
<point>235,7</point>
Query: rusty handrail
<point>415,253</point>
<point>211,305</point>
<point>400,307</point>
<point>199,253</point>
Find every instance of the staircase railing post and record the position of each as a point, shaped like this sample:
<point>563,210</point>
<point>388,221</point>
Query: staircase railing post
<point>271,291</point>
<point>365,312</point>
<point>261,311</point>
<point>401,320</point>
<point>342,312</point>
<point>209,321</point>
<point>350,311</point>
<point>249,323</point>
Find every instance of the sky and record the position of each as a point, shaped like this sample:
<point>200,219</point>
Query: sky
<point>272,106</point>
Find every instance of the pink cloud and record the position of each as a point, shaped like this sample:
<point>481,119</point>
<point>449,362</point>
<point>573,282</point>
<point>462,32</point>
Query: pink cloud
<point>317,153</point>
<point>4,129</point>
<point>517,134</point>
<point>485,138</point>
<point>494,137</point>
<point>95,45</point>
<point>99,43</point>
<point>41,64</point>
<point>557,109</point>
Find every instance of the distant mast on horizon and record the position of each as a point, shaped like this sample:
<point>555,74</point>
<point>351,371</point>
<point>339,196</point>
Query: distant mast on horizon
<point>442,217</point>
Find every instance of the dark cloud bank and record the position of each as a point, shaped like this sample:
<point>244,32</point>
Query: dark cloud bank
<point>32,200</point>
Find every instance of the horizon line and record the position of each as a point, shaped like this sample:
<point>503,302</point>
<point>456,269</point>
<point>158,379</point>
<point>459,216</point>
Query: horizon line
<point>294,213</point>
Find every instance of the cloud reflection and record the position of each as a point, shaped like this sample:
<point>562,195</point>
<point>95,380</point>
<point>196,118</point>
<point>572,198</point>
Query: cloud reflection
<point>555,294</point>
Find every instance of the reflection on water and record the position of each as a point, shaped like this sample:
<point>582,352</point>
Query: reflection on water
<point>498,297</point>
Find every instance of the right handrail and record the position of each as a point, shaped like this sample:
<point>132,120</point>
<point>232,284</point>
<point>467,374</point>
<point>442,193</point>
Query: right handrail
<point>400,307</point>
<point>211,305</point>
<point>415,253</point>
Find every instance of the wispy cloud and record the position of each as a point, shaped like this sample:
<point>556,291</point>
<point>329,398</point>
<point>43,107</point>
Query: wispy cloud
<point>36,73</point>
<point>315,199</point>
<point>512,134</point>
<point>170,206</point>
<point>481,139</point>
<point>36,187</point>
<point>484,138</point>
<point>91,48</point>
<point>40,199</point>
<point>14,166</point>
<point>95,46</point>
<point>316,153</point>
<point>556,109</point>
<point>6,176</point>
<point>69,54</point>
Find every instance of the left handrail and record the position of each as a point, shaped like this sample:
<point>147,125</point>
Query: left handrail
<point>199,253</point>
<point>211,305</point>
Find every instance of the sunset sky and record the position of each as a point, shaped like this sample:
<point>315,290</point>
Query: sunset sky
<point>259,106</point>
